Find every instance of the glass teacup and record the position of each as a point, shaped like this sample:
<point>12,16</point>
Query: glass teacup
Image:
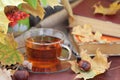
<point>44,48</point>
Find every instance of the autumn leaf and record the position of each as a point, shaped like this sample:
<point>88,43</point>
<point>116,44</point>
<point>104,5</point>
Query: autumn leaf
<point>10,56</point>
<point>74,66</point>
<point>10,41</point>
<point>39,11</point>
<point>2,38</point>
<point>111,10</point>
<point>3,23</point>
<point>4,3</point>
<point>85,34</point>
<point>51,3</point>
<point>99,64</point>
<point>8,52</point>
<point>86,75</point>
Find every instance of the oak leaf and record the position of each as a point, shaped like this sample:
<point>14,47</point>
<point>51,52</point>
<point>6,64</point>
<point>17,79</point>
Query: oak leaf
<point>111,10</point>
<point>99,64</point>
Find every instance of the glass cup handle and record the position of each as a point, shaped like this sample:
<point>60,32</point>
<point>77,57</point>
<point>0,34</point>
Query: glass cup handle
<point>69,52</point>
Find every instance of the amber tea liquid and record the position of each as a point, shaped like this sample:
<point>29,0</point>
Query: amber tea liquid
<point>43,51</point>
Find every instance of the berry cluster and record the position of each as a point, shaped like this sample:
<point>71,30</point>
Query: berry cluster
<point>16,16</point>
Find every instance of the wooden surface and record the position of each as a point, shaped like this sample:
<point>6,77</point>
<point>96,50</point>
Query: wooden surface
<point>112,74</point>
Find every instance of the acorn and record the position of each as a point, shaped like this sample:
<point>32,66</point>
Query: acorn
<point>21,75</point>
<point>84,65</point>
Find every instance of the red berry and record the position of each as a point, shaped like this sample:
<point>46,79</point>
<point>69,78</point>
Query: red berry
<point>12,24</point>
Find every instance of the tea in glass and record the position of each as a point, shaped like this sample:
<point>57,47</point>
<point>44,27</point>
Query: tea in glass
<point>43,50</point>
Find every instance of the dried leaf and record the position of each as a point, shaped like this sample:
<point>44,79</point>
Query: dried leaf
<point>99,64</point>
<point>39,11</point>
<point>74,66</point>
<point>97,36</point>
<point>5,74</point>
<point>84,34</point>
<point>111,10</point>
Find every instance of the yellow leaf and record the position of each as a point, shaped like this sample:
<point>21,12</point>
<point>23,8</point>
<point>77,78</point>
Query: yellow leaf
<point>39,11</point>
<point>74,66</point>
<point>12,2</point>
<point>111,10</point>
<point>10,41</point>
<point>2,38</point>
<point>53,3</point>
<point>99,64</point>
<point>85,34</point>
<point>3,22</point>
<point>85,75</point>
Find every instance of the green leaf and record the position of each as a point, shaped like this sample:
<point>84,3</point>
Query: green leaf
<point>9,55</point>
<point>43,2</point>
<point>24,22</point>
<point>51,3</point>
<point>32,3</point>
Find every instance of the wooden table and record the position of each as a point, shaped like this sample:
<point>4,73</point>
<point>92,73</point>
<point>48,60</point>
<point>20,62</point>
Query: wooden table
<point>112,74</point>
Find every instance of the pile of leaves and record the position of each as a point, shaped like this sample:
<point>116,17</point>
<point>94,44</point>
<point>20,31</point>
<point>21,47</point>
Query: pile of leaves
<point>99,64</point>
